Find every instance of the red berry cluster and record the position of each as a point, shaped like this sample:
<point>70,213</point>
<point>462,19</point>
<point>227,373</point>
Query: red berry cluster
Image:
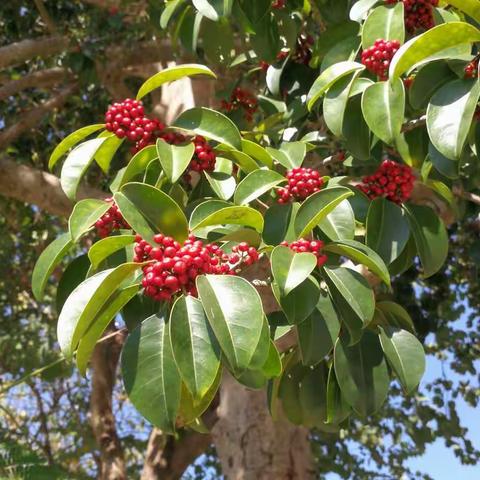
<point>310,246</point>
<point>377,58</point>
<point>241,99</point>
<point>418,13</point>
<point>391,181</point>
<point>278,4</point>
<point>204,157</point>
<point>302,182</point>
<point>303,49</point>
<point>111,220</point>
<point>174,267</point>
<point>471,70</point>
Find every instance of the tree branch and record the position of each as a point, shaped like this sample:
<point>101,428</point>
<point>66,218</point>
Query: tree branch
<point>104,366</point>
<point>49,23</point>
<point>471,197</point>
<point>413,124</point>
<point>39,188</point>
<point>19,52</point>
<point>40,79</point>
<point>32,117</point>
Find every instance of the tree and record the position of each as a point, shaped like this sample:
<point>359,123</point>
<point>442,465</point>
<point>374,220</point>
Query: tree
<point>278,301</point>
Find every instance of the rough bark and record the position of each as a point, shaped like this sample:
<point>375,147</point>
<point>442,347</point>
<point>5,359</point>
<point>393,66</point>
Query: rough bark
<point>19,52</point>
<point>104,366</point>
<point>39,188</point>
<point>251,446</point>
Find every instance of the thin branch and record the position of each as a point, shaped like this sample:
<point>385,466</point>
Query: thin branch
<point>41,79</point>
<point>415,123</point>
<point>471,197</point>
<point>19,52</point>
<point>32,117</point>
<point>49,23</point>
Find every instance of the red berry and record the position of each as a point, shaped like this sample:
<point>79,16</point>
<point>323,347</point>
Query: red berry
<point>241,99</point>
<point>302,182</point>
<point>418,13</point>
<point>377,58</point>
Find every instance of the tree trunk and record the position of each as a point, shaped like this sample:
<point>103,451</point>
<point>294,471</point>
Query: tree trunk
<point>251,446</point>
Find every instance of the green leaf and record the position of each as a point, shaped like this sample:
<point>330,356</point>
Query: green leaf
<point>235,312</point>
<point>353,297</point>
<point>432,42</point>
<point>73,275</point>
<point>405,356</point>
<point>85,214</point>
<point>210,124</point>
<point>279,220</point>
<point>102,249</point>
<point>328,78</point>
<point>195,348</point>
<point>316,207</point>
<point>171,74</point>
<point>335,102</point>
<point>86,301</point>
<point>470,7</point>
<point>206,9</point>
<point>149,211</point>
<point>290,269</point>
<point>170,8</point>
<point>359,10</point>
<point>244,161</point>
<point>222,183</point>
<point>300,302</point>
<point>47,262</point>
<point>362,373</point>
<point>448,168</point>
<point>313,396</point>
<point>355,130</point>
<point>273,364</point>
<point>360,253</point>
<point>386,22</point>
<point>337,407</point>
<point>138,164</point>
<point>383,107</point>
<point>174,159</point>
<point>101,322</point>
<point>289,393</point>
<point>295,153</point>
<point>257,152</point>
<point>106,152</point>
<point>450,114</point>
<point>255,184</point>
<point>340,223</point>
<point>317,334</point>
<point>234,215</point>
<point>401,318</point>
<point>70,141</point>
<point>387,229</point>
<point>430,236</point>
<point>150,375</point>
<point>76,165</point>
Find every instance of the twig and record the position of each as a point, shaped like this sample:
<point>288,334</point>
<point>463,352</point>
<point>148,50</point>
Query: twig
<point>415,123</point>
<point>471,197</point>
<point>49,23</point>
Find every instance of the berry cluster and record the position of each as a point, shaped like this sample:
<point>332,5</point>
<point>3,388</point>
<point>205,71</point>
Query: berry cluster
<point>241,99</point>
<point>278,4</point>
<point>204,157</point>
<point>173,268</point>
<point>377,58</point>
<point>311,246</point>
<point>303,49</point>
<point>302,182</point>
<point>111,220</point>
<point>471,70</point>
<point>391,181</point>
<point>418,13</point>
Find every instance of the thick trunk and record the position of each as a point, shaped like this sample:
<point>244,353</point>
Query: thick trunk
<point>251,446</point>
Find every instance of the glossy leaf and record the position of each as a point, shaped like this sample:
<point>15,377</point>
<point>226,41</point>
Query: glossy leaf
<point>137,165</point>
<point>223,184</point>
<point>290,269</point>
<point>234,310</point>
<point>470,7</point>
<point>360,253</point>
<point>47,262</point>
<point>387,229</point>
<point>359,10</point>
<point>170,75</point>
<point>106,152</point>
<point>362,373</point>
<point>105,247</point>
<point>383,107</point>
<point>430,43</point>
<point>255,184</point>
<point>195,348</point>
<point>85,214</point>
<point>210,124</point>
<point>430,236</point>
<point>317,334</point>
<point>401,317</point>
<point>405,356</point>
<point>313,396</point>
<point>316,207</point>
<point>150,375</point>
<point>150,211</point>
<point>328,78</point>
<point>257,152</point>
<point>70,141</point>
<point>86,301</point>
<point>244,161</point>
<point>73,275</point>
<point>450,114</point>
<point>386,22</point>
<point>340,223</point>
<point>76,164</point>
<point>295,153</point>
<point>273,364</point>
<point>279,220</point>
<point>356,131</point>
<point>170,8</point>
<point>174,159</point>
<point>337,407</point>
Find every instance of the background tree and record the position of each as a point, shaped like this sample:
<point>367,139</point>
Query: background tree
<point>102,48</point>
